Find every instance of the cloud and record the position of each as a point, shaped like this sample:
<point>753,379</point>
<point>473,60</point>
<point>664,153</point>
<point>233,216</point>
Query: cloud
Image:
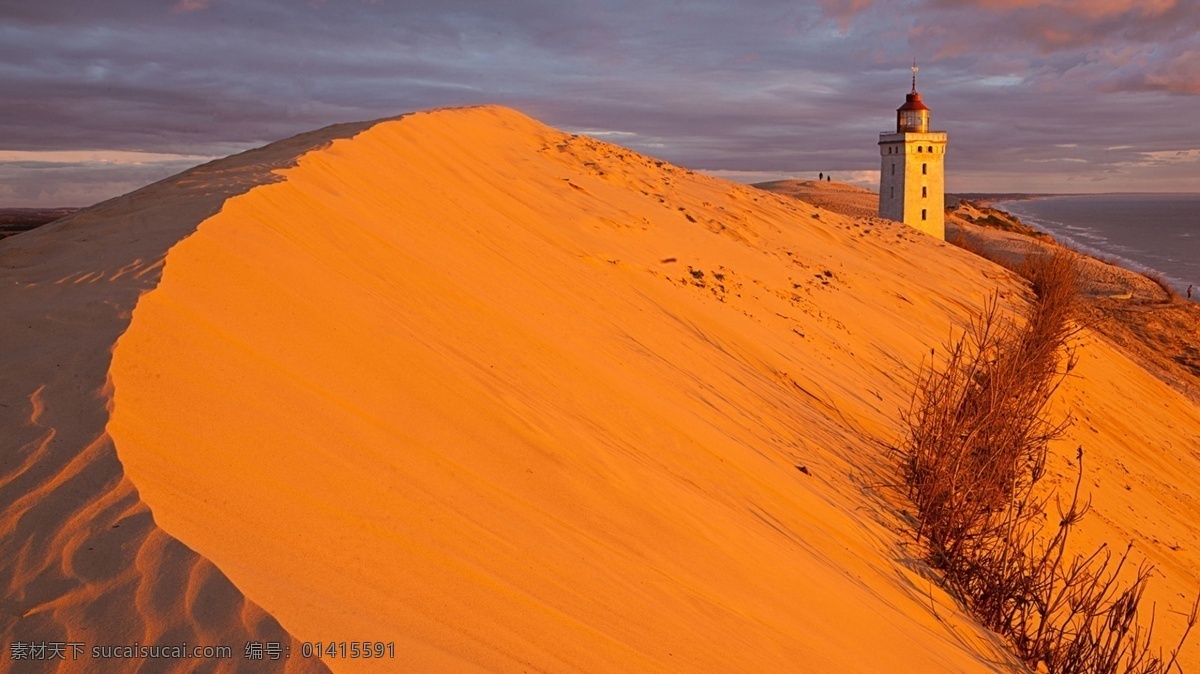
<point>97,157</point>
<point>61,182</point>
<point>1112,45</point>
<point>188,6</point>
<point>751,177</point>
<point>1164,157</point>
<point>604,134</point>
<point>843,11</point>
<point>788,89</point>
<point>1178,74</point>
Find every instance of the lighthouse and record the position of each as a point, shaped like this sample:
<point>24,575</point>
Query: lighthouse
<point>912,179</point>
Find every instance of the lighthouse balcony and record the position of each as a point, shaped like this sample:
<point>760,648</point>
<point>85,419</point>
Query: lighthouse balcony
<point>894,137</point>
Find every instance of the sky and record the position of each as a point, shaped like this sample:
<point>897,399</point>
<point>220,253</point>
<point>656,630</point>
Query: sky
<point>1067,96</point>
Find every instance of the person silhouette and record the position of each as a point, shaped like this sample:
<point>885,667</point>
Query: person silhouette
<point>1189,292</point>
<point>821,176</point>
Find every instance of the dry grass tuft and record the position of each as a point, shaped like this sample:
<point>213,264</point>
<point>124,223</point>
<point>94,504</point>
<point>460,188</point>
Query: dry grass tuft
<point>957,238</point>
<point>975,452</point>
<point>1163,283</point>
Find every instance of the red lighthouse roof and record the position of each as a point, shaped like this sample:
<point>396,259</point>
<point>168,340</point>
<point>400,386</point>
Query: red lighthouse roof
<point>912,101</point>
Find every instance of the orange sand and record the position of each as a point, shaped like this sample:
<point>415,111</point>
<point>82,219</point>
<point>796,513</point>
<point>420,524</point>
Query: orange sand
<point>522,401</point>
<point>439,387</point>
<point>81,557</point>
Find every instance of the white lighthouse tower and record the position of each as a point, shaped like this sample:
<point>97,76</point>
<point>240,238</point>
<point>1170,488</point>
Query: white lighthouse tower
<point>912,180</point>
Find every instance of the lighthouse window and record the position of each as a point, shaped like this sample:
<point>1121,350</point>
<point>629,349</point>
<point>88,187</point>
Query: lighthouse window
<point>924,169</point>
<point>893,169</point>
<point>931,148</point>
<point>922,213</point>
<point>924,191</point>
<point>920,149</point>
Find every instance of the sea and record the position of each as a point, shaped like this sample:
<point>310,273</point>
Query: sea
<point>1143,232</point>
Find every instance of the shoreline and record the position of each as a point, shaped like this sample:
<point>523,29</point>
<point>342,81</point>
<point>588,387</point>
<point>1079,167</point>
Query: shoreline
<point>1108,251</point>
<point>1140,312</point>
<point>995,197</point>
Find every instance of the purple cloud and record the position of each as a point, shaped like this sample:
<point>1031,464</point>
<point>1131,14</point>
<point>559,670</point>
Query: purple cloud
<point>786,88</point>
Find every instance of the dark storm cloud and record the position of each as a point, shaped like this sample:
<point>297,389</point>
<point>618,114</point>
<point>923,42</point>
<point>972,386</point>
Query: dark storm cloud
<point>780,87</point>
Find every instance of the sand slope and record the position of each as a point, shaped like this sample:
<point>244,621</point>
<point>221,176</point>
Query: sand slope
<point>521,401</point>
<point>839,197</point>
<point>82,558</point>
<point>1141,440</point>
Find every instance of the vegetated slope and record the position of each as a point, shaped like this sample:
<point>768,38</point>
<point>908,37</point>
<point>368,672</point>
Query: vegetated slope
<point>81,557</point>
<point>519,400</point>
<point>1140,438</point>
<point>1158,329</point>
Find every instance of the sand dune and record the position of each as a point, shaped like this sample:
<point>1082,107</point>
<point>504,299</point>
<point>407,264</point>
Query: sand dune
<point>83,559</point>
<point>517,400</point>
<point>443,386</point>
<point>839,197</point>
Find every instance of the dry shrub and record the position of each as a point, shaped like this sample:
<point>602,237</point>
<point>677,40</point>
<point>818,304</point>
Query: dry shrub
<point>1163,283</point>
<point>962,240</point>
<point>974,454</point>
<point>1009,259</point>
<point>976,431</point>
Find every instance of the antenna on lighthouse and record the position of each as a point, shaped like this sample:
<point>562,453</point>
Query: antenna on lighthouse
<point>914,66</point>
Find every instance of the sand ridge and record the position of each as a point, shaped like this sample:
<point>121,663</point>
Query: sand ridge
<point>84,560</point>
<point>516,399</point>
<point>840,197</point>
